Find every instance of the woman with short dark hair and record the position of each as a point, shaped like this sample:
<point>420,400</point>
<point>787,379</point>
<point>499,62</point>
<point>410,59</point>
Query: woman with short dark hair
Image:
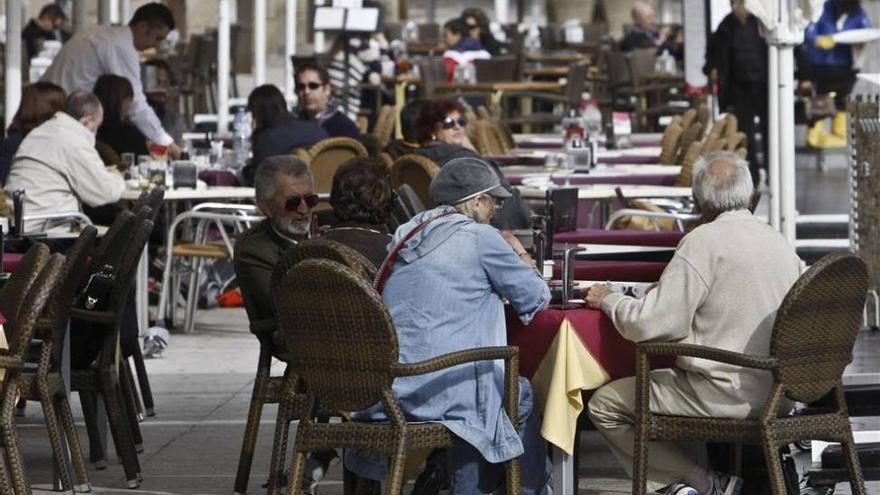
<point>39,102</point>
<point>276,130</point>
<point>478,28</point>
<point>117,96</point>
<point>362,197</point>
<point>442,121</point>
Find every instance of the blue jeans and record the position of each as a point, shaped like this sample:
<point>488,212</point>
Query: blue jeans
<point>471,473</point>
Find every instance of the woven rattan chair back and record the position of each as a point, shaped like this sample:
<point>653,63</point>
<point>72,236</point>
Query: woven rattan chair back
<point>690,136</point>
<point>817,324</point>
<point>717,129</point>
<point>328,155</point>
<point>686,174</point>
<point>688,118</point>
<point>703,116</point>
<point>417,171</point>
<point>504,134</point>
<point>15,289</point>
<point>53,324</point>
<point>338,334</point>
<point>669,144</point>
<point>576,82</point>
<point>732,127</point>
<point>483,113</point>
<point>384,128</point>
<point>112,242</point>
<point>485,139</point>
<point>496,69</point>
<point>34,304</point>
<point>326,249</point>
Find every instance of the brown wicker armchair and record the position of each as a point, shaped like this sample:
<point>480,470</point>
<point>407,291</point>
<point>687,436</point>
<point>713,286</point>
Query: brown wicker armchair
<point>486,138</point>
<point>812,342</point>
<point>327,155</point>
<point>44,277</point>
<point>45,383</point>
<point>343,345</point>
<point>669,144</point>
<point>416,171</point>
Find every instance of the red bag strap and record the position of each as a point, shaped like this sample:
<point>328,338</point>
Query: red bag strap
<point>385,269</point>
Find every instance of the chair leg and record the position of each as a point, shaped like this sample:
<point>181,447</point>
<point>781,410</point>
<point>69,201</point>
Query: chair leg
<point>89,402</point>
<point>394,480</point>
<point>127,379</point>
<point>774,463</point>
<point>640,461</point>
<point>192,296</point>
<point>12,447</point>
<point>5,478</point>
<point>297,469</point>
<point>513,477</point>
<point>121,432</point>
<point>279,446</point>
<point>851,456</point>
<point>144,382</point>
<point>79,465</point>
<point>128,397</point>
<point>252,428</point>
<point>59,452</point>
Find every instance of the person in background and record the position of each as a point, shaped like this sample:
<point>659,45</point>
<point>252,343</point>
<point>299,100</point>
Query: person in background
<point>46,26</point>
<point>478,28</point>
<point>457,272</point>
<point>461,48</point>
<point>158,96</point>
<point>116,131</point>
<point>832,67</point>
<point>58,167</point>
<point>276,130</point>
<point>736,60</point>
<point>39,102</point>
<point>409,143</point>
<point>100,50</point>
<point>643,33</point>
<point>361,197</point>
<point>732,256</point>
<point>441,129</point>
<point>315,103</point>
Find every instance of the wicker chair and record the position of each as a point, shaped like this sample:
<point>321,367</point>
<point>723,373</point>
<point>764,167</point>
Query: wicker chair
<point>384,127</point>
<point>20,331</point>
<point>688,118</point>
<point>343,345</point>
<point>386,159</point>
<point>45,383</point>
<point>102,376</point>
<point>416,171</point>
<point>505,135</point>
<point>669,144</point>
<point>686,174</point>
<point>812,342</point>
<point>14,291</point>
<point>690,136</point>
<point>328,155</point>
<point>486,139</point>
<point>302,155</point>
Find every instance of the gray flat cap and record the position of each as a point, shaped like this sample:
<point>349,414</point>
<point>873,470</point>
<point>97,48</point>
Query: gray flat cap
<point>465,178</point>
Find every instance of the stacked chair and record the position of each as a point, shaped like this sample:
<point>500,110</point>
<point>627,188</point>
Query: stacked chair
<point>325,156</point>
<point>416,171</point>
<point>23,300</point>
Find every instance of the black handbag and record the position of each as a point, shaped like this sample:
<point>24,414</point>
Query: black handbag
<point>96,293</point>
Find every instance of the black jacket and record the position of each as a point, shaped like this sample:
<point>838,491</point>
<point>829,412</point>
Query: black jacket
<point>285,135</point>
<point>739,53</point>
<point>123,137</point>
<point>339,125</point>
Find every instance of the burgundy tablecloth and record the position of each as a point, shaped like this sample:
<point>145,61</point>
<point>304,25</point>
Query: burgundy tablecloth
<point>627,237</point>
<point>595,330</point>
<point>218,178</point>
<point>578,179</point>
<point>625,158</point>
<point>638,141</point>
<point>11,260</point>
<point>622,271</point>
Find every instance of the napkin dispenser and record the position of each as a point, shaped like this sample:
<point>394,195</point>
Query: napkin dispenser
<point>185,174</point>
<point>568,275</point>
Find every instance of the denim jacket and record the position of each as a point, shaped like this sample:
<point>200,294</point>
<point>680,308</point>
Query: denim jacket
<point>445,294</point>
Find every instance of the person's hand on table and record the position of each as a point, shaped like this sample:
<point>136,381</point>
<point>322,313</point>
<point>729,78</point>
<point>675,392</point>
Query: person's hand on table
<point>595,294</point>
<point>518,248</point>
<point>173,151</point>
<point>825,42</point>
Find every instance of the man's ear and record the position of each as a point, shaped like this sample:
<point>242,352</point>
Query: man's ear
<point>697,207</point>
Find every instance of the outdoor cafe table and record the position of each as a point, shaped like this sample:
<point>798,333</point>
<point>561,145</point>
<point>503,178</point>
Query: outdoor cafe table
<point>565,352</point>
<point>660,175</point>
<point>643,155</point>
<point>554,140</point>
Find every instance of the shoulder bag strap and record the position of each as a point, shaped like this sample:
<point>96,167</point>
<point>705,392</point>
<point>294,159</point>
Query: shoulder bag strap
<point>385,269</point>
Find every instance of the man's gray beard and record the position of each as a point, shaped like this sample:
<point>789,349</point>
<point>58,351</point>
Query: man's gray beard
<point>295,229</point>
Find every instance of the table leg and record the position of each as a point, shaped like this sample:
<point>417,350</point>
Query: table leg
<point>563,481</point>
<point>142,293</point>
<point>65,376</point>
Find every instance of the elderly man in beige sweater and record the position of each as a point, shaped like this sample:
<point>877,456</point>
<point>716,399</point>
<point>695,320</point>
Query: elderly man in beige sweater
<point>721,289</point>
<point>58,167</point>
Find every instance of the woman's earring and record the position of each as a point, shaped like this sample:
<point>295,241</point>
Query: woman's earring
<point>433,137</point>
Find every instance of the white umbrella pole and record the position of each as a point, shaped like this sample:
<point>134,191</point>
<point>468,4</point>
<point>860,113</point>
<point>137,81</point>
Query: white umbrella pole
<point>223,54</point>
<point>12,72</point>
<point>786,136</point>
<point>124,11</point>
<point>501,11</point>
<point>773,143</point>
<point>259,42</point>
<point>289,47</point>
<point>105,12</point>
<point>319,35</point>
<point>79,15</point>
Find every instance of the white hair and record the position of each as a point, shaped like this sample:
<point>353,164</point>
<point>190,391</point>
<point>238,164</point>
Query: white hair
<point>722,182</point>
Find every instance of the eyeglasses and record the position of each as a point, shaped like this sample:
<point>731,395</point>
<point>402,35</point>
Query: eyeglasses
<point>498,203</point>
<point>449,123</point>
<point>292,203</point>
<point>313,86</point>
<point>473,26</point>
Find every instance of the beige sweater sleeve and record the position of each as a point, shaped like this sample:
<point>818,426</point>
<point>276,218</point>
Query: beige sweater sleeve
<point>665,313</point>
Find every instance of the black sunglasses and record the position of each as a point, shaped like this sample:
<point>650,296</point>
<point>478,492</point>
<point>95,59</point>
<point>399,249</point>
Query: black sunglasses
<point>311,85</point>
<point>449,123</point>
<point>292,203</point>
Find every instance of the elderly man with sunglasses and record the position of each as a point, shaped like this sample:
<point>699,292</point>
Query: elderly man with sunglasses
<point>286,195</point>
